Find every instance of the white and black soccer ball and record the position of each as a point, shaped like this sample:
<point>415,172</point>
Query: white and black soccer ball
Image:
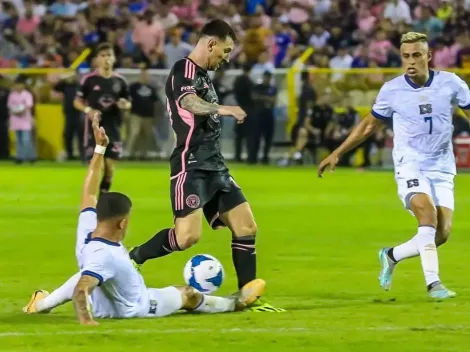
<point>204,272</point>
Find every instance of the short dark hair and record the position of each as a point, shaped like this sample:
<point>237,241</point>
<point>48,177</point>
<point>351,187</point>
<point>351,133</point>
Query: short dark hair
<point>112,205</point>
<point>219,29</point>
<point>103,47</point>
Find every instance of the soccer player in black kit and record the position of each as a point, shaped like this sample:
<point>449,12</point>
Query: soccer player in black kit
<point>201,185</point>
<point>106,94</point>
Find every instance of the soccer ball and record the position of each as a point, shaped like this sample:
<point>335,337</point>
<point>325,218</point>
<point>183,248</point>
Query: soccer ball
<point>204,272</point>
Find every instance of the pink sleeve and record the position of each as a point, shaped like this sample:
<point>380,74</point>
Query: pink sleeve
<point>29,99</point>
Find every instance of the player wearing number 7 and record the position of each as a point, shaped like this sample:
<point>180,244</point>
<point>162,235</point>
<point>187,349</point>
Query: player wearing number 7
<point>420,102</point>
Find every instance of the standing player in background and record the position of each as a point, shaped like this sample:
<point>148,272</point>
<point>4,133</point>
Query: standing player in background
<point>420,103</point>
<point>105,93</point>
<point>201,185</point>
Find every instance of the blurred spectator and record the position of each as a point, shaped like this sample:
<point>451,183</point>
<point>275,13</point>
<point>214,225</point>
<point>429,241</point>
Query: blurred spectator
<point>429,24</point>
<point>20,106</point>
<point>397,11</point>
<point>4,138</point>
<point>322,7</point>
<point>74,124</point>
<point>144,99</point>
<point>366,21</point>
<point>309,131</point>
<point>283,40</point>
<point>463,53</point>
<point>442,55</point>
<point>341,61</point>
<point>219,85</point>
<point>320,36</point>
<point>262,66</point>
<point>165,17</point>
<point>243,91</point>
<point>176,49</point>
<point>255,39</point>
<point>361,59</point>
<point>264,96</point>
<point>63,8</point>
<point>339,129</point>
<point>186,11</point>
<point>299,12</point>
<point>155,60</point>
<point>28,23</point>
<point>445,11</point>
<point>377,140</point>
<point>380,47</point>
<point>149,34</point>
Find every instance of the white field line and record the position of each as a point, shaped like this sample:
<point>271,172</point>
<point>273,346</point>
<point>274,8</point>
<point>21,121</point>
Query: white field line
<point>99,331</point>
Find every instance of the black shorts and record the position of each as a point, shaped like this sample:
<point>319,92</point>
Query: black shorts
<point>113,151</point>
<point>215,192</point>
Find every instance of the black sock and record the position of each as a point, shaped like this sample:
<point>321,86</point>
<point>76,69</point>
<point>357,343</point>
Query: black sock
<point>161,244</point>
<point>390,255</point>
<point>105,186</point>
<point>244,259</point>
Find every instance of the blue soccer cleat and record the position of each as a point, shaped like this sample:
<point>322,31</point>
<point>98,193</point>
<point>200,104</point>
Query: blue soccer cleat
<point>386,272</point>
<point>439,291</point>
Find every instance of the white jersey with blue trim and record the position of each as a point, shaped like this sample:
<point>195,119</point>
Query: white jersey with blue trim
<point>422,119</point>
<point>121,292</point>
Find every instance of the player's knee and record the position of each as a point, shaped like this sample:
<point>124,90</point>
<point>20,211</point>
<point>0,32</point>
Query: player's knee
<point>187,239</point>
<point>245,229</point>
<point>443,233</point>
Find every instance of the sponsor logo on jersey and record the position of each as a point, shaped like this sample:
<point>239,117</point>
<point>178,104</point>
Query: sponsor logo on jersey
<point>187,88</point>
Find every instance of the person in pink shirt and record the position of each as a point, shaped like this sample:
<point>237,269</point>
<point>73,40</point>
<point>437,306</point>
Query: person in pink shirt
<point>365,21</point>
<point>28,24</point>
<point>379,48</point>
<point>20,105</point>
<point>149,34</point>
<point>442,55</point>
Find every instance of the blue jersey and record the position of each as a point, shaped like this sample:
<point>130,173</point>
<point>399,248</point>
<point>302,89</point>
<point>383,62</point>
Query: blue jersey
<point>422,119</point>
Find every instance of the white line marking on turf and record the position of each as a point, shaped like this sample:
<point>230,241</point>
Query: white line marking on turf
<point>151,331</point>
<point>312,330</point>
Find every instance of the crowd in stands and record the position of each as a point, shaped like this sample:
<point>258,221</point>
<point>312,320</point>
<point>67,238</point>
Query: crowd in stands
<point>344,33</point>
<point>271,34</point>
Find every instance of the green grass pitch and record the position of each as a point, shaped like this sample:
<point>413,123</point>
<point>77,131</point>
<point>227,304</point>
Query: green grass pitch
<point>317,248</point>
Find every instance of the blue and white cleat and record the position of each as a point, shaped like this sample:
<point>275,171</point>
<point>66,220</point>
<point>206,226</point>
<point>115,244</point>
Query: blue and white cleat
<point>439,291</point>
<point>386,272</point>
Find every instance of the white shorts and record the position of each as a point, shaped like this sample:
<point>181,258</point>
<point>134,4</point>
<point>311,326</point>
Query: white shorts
<point>163,301</point>
<point>438,185</point>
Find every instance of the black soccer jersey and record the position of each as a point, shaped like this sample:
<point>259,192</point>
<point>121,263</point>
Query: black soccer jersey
<point>197,137</point>
<point>102,94</point>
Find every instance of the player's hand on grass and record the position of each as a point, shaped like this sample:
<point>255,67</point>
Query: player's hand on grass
<point>100,134</point>
<point>330,162</point>
<point>123,104</point>
<point>234,111</point>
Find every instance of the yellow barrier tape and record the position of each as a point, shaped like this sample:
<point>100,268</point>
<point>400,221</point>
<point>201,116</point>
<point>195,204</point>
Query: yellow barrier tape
<point>83,56</point>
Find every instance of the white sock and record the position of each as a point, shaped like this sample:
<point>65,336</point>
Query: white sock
<point>59,296</point>
<point>425,242</point>
<point>405,250</point>
<point>212,304</point>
